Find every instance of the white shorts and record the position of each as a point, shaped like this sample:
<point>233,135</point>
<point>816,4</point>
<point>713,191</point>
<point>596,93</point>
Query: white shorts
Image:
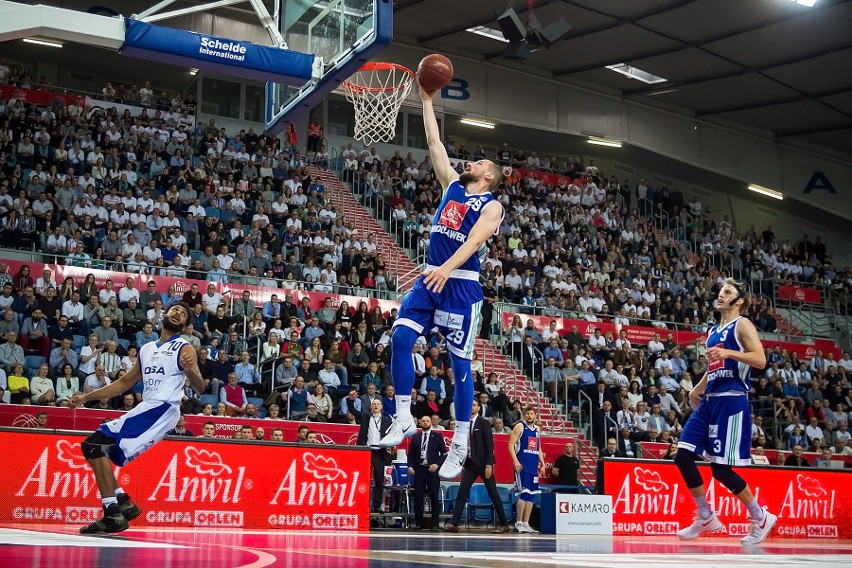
<point>139,429</point>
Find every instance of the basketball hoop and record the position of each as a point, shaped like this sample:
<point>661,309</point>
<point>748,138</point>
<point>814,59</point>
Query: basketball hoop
<point>377,91</point>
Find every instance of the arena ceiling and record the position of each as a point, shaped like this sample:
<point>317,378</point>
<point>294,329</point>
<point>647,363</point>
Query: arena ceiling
<point>773,66</point>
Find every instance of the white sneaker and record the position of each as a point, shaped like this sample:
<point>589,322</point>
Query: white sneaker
<point>760,529</point>
<point>454,462</point>
<point>402,428</point>
<point>699,525</point>
<point>521,527</point>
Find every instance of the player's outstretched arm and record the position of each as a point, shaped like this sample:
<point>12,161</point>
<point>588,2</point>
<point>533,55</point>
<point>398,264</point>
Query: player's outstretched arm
<point>189,362</point>
<point>485,227</point>
<point>113,389</point>
<point>440,160</point>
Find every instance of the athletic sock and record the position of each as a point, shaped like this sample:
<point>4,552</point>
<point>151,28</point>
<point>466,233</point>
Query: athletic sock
<point>119,491</point>
<point>703,507</point>
<point>403,406</point>
<point>755,511</point>
<point>462,433</point>
<point>108,501</point>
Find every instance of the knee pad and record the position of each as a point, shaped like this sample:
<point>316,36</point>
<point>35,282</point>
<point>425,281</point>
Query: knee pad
<point>726,475</point>
<point>526,497</point>
<point>97,445</point>
<point>685,462</point>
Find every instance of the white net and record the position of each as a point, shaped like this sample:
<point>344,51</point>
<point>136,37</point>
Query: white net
<point>377,91</point>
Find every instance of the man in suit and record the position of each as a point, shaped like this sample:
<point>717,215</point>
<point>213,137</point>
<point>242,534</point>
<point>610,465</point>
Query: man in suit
<point>605,421</point>
<point>374,426</point>
<point>627,444</point>
<point>479,465</point>
<point>426,453</point>
<point>611,451</point>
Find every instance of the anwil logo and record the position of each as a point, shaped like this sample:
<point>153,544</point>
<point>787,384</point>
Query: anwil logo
<point>655,496</point>
<point>74,479</point>
<point>211,480</point>
<point>326,486</point>
<point>810,501</point>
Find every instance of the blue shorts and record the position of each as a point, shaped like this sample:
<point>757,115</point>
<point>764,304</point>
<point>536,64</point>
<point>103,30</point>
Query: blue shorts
<point>720,430</point>
<point>526,483</point>
<point>456,311</point>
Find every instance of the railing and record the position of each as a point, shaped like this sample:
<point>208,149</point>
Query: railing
<point>581,422</point>
<point>584,453</point>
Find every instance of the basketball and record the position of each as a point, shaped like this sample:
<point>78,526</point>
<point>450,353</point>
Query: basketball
<point>434,72</point>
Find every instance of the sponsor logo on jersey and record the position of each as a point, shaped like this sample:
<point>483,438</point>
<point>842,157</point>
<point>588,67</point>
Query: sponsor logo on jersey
<point>453,215</point>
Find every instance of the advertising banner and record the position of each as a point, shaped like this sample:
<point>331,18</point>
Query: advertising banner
<point>649,498</point>
<point>88,420</point>
<point>563,513</point>
<point>640,335</point>
<point>41,98</point>
<point>186,484</point>
<point>799,294</point>
<point>217,54</point>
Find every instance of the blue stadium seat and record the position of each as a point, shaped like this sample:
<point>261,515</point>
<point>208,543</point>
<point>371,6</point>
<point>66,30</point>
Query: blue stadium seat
<point>479,505</point>
<point>257,402</point>
<point>124,343</point>
<point>450,494</point>
<point>210,399</point>
<point>34,361</point>
<point>79,342</point>
<point>508,505</point>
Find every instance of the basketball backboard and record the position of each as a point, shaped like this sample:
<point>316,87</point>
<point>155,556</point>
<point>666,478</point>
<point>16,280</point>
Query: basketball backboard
<point>342,34</point>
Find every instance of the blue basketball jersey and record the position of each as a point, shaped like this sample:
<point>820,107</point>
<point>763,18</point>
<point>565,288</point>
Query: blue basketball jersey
<point>457,213</point>
<point>527,448</point>
<point>727,375</point>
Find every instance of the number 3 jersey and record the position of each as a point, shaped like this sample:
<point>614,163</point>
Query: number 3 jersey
<point>727,375</point>
<point>162,374</point>
<point>457,213</point>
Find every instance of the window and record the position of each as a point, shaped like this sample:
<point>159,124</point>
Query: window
<point>255,100</point>
<point>416,137</point>
<point>221,98</point>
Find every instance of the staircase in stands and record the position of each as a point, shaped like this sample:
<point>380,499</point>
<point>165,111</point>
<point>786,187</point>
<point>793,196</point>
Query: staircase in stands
<point>401,268</point>
<point>516,384</point>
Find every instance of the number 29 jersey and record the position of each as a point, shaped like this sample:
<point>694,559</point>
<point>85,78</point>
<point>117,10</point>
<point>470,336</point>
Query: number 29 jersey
<point>162,375</point>
<point>456,215</point>
<point>727,375</point>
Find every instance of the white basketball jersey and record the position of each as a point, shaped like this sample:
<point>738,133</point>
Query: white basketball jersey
<point>162,375</point>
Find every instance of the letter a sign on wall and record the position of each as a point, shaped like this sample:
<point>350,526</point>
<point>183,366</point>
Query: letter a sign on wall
<point>819,181</point>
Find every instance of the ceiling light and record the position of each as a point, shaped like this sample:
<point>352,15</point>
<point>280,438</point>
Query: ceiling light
<point>489,33</point>
<point>635,73</point>
<point>44,42</point>
<point>477,122</point>
<point>807,3</point>
<point>604,142</point>
<point>193,71</point>
<point>766,191</point>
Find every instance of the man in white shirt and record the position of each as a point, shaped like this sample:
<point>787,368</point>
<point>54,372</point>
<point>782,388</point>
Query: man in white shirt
<point>44,282</point>
<point>655,346</point>
<point>211,299</point>
<point>73,310</point>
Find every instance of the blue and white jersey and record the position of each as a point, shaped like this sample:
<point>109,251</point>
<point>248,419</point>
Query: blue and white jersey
<point>727,375</point>
<point>457,213</point>
<point>527,448</point>
<point>162,376</point>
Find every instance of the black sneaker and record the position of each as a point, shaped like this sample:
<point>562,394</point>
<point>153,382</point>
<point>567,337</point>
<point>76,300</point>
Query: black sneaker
<point>112,522</point>
<point>128,508</point>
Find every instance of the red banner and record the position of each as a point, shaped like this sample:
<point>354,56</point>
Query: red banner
<point>259,294</point>
<point>191,484</point>
<point>42,98</point>
<point>640,336</point>
<point>327,433</point>
<point>799,294</point>
<point>649,498</point>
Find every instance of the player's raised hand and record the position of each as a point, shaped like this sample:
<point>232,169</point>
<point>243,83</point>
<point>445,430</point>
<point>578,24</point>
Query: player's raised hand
<point>436,278</point>
<point>76,401</point>
<point>424,95</point>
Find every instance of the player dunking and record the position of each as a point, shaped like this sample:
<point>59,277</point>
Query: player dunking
<point>161,366</point>
<point>448,295</point>
<point>720,427</point>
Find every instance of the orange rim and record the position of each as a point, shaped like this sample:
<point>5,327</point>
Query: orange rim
<point>408,75</point>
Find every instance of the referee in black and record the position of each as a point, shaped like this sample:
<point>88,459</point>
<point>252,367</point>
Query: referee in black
<point>479,465</point>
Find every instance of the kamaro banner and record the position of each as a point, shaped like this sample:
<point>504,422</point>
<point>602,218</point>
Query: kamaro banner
<point>649,498</point>
<point>187,484</point>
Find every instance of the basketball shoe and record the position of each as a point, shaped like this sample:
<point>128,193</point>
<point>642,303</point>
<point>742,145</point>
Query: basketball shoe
<point>129,509</point>
<point>112,522</point>
<point>699,525</point>
<point>760,529</point>
<point>403,427</point>
<point>454,462</point>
